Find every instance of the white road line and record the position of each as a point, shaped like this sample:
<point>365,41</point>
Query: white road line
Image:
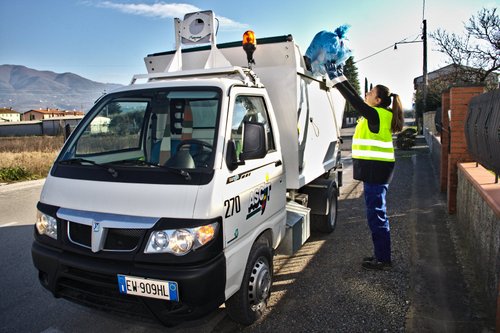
<point>8,224</point>
<point>21,185</point>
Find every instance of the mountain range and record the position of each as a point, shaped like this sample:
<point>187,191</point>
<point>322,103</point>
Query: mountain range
<point>24,89</point>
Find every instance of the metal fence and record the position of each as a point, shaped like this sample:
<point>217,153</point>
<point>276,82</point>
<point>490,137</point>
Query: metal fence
<point>51,126</point>
<point>482,130</point>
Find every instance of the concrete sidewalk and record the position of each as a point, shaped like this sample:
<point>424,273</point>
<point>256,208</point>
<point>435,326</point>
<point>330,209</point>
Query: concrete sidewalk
<point>323,287</point>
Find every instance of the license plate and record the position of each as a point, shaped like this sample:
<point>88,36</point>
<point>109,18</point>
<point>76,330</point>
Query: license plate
<point>132,285</point>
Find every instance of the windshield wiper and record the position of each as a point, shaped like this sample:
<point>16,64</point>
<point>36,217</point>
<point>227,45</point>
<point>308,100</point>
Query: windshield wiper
<point>182,172</point>
<point>82,160</point>
<point>177,171</point>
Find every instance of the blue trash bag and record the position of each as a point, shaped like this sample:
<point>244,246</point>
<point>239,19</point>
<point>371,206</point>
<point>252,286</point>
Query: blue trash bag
<point>328,52</point>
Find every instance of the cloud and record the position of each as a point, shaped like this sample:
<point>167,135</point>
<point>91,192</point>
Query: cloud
<point>167,10</point>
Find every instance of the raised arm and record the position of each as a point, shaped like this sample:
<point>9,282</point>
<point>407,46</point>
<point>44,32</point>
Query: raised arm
<point>352,97</point>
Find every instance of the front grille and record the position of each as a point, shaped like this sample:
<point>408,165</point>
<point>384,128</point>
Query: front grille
<point>80,234</point>
<point>96,278</point>
<point>118,240</point>
<point>123,239</point>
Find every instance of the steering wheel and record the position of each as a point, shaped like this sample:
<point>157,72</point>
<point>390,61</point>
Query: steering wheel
<point>202,156</point>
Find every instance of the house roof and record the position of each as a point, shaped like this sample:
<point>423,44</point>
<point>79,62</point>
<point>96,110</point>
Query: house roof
<point>8,111</point>
<point>46,111</point>
<point>56,111</point>
<point>443,71</point>
<point>437,73</point>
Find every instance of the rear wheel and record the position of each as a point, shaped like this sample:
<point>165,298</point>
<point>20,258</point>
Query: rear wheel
<point>249,303</point>
<point>327,223</point>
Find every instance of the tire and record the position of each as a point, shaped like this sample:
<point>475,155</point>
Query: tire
<point>327,223</point>
<point>249,303</point>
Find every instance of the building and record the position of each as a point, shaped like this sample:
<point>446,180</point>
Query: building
<point>9,115</point>
<point>452,74</point>
<point>49,113</point>
<point>443,78</point>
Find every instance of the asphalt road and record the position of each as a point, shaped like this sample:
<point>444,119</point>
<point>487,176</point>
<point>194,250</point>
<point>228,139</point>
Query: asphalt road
<point>27,307</point>
<point>321,288</point>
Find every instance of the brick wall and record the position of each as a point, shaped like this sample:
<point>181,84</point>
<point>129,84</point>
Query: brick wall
<point>454,146</point>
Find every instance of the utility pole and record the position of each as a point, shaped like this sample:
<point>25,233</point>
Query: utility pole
<point>425,83</point>
<point>425,78</point>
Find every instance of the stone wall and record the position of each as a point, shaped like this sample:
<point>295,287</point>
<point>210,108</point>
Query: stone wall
<point>434,143</point>
<point>473,195</point>
<point>429,121</point>
<point>478,221</point>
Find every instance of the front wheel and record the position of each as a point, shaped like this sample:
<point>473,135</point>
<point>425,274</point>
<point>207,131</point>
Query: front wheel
<point>249,303</point>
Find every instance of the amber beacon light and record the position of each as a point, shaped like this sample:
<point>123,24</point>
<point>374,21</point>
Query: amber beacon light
<point>249,45</point>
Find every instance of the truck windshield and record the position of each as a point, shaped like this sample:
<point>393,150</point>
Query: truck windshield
<point>148,128</point>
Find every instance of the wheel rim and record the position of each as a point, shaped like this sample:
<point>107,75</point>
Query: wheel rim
<point>259,284</point>
<point>333,212</point>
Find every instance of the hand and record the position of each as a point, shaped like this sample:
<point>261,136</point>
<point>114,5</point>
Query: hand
<point>333,70</point>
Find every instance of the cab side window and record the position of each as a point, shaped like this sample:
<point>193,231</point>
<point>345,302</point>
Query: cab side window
<point>249,108</point>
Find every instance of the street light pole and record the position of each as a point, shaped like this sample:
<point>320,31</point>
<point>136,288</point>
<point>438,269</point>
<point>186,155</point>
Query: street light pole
<point>425,78</point>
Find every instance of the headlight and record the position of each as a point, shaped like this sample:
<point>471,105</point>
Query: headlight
<point>46,225</point>
<point>180,241</point>
<point>159,240</point>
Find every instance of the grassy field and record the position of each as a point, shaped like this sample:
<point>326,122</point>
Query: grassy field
<point>27,158</point>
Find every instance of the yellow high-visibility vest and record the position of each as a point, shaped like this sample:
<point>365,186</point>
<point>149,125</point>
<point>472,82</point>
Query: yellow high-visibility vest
<point>367,145</point>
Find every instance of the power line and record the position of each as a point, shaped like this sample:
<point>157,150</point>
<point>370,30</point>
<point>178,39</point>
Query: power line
<point>374,54</point>
<point>388,47</point>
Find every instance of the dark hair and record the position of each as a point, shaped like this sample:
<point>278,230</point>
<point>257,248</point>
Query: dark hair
<point>397,109</point>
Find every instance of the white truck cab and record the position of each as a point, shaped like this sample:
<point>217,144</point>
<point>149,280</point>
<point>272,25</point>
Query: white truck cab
<point>172,195</point>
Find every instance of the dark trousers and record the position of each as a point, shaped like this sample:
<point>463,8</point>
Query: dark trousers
<point>378,222</point>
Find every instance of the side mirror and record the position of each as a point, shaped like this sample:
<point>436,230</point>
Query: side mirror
<point>254,141</point>
<point>231,158</point>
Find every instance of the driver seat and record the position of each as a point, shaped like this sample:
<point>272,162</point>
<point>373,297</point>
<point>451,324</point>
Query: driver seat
<point>182,129</point>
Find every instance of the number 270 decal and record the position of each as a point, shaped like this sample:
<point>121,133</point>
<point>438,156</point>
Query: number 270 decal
<point>232,205</point>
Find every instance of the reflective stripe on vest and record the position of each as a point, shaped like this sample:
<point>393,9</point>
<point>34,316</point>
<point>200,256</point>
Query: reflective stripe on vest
<point>367,145</point>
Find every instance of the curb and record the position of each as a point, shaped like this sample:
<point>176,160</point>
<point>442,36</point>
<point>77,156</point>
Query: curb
<point>9,187</point>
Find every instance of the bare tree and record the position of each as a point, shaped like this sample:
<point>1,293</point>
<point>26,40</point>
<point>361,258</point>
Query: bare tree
<point>477,52</point>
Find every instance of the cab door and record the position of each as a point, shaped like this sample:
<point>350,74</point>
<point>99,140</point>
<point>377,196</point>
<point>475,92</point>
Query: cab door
<point>254,193</point>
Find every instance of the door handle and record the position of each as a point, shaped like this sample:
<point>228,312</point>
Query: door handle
<point>278,163</point>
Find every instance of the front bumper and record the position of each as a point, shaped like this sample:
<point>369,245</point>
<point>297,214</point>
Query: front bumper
<point>93,282</point>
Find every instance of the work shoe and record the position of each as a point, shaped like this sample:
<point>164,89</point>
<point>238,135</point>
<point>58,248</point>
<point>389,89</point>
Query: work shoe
<point>365,259</point>
<point>376,265</point>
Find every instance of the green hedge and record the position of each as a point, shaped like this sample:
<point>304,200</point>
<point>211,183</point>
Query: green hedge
<point>14,174</point>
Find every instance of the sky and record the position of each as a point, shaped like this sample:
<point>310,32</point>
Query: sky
<point>106,41</point>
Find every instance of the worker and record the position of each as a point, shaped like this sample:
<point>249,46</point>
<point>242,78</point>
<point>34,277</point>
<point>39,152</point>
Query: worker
<point>373,159</point>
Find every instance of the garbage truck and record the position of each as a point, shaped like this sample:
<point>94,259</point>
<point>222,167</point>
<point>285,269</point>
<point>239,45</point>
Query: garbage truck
<point>172,195</point>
